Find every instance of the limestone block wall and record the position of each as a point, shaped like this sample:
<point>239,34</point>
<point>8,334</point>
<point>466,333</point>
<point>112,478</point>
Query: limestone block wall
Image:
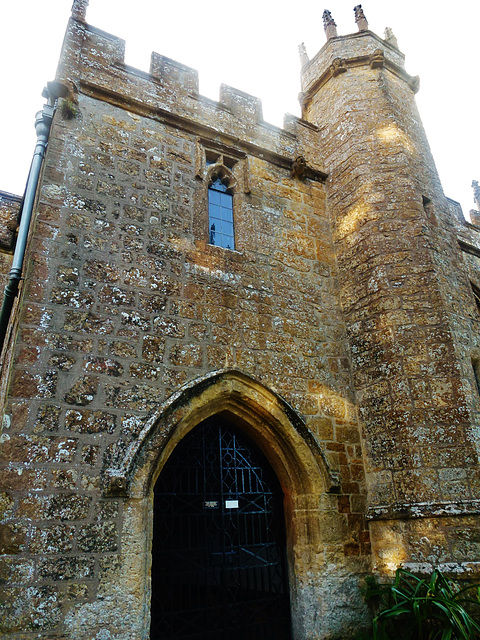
<point>468,238</point>
<point>9,210</point>
<point>126,315</point>
<point>406,300</point>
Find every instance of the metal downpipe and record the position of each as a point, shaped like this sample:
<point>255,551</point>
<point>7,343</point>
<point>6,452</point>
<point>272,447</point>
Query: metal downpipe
<point>43,122</point>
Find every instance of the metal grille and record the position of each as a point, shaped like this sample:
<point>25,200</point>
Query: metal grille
<point>219,569</point>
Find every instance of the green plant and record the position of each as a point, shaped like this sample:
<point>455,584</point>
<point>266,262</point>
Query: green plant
<point>68,109</point>
<point>413,608</point>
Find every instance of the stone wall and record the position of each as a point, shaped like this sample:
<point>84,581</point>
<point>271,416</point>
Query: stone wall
<point>126,306</point>
<point>341,335</point>
<point>9,210</point>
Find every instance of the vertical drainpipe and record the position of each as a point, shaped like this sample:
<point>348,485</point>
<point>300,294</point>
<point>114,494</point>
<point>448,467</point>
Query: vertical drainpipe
<point>43,122</point>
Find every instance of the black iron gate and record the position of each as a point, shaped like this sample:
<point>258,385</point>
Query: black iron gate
<point>219,569</point>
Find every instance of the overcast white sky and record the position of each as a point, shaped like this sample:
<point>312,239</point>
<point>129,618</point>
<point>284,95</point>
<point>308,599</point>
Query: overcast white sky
<point>252,45</point>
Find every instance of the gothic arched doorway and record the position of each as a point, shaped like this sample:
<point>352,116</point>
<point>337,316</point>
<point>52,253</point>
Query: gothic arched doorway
<point>219,565</point>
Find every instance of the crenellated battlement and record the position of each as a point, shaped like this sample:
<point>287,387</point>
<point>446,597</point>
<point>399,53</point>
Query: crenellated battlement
<point>174,74</point>
<point>93,64</point>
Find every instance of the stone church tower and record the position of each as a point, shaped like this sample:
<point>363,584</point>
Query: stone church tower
<point>242,369</point>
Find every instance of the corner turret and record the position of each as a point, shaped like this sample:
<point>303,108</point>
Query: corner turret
<point>400,286</point>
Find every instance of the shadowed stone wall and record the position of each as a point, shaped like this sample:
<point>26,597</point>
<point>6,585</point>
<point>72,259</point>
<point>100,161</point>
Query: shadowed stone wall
<point>340,334</point>
<point>9,212</point>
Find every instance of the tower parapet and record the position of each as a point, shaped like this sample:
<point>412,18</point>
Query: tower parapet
<point>352,51</point>
<point>93,62</point>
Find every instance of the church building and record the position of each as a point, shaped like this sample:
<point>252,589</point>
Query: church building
<point>241,363</point>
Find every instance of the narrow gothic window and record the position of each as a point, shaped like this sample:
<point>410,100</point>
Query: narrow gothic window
<point>220,215</point>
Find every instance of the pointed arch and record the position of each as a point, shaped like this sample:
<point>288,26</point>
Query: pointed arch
<point>291,450</point>
<point>218,522</point>
<point>218,171</point>
<point>265,416</point>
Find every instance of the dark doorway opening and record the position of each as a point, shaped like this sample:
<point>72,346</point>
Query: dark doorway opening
<point>219,567</point>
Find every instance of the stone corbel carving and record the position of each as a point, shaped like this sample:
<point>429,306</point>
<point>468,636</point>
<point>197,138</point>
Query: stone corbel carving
<point>337,67</point>
<point>302,99</point>
<point>299,168</point>
<point>414,83</point>
<point>115,486</point>
<point>12,224</point>
<point>377,59</point>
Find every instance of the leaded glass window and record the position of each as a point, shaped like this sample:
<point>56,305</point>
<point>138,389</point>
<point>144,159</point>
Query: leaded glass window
<point>220,215</point>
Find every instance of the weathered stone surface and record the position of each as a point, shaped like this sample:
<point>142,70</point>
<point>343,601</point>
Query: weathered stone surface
<point>89,454</point>
<point>98,537</point>
<point>13,570</point>
<point>116,296</point>
<point>12,539</point>
<point>84,322</point>
<point>66,568</point>
<point>83,391</point>
<point>65,478</point>
<point>68,275</point>
<point>62,362</point>
<point>29,610</point>
<point>67,507</point>
<point>122,349</point>
<point>90,421</point>
<point>103,365</point>
<point>140,396</point>
<point>101,270</point>
<point>341,335</point>
<point>77,299</point>
<point>153,348</point>
<point>53,539</point>
<point>141,370</point>
<point>28,385</point>
<point>48,416</point>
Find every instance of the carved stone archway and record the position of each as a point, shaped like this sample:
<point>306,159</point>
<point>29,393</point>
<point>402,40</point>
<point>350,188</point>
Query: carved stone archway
<point>266,417</point>
<point>281,434</point>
